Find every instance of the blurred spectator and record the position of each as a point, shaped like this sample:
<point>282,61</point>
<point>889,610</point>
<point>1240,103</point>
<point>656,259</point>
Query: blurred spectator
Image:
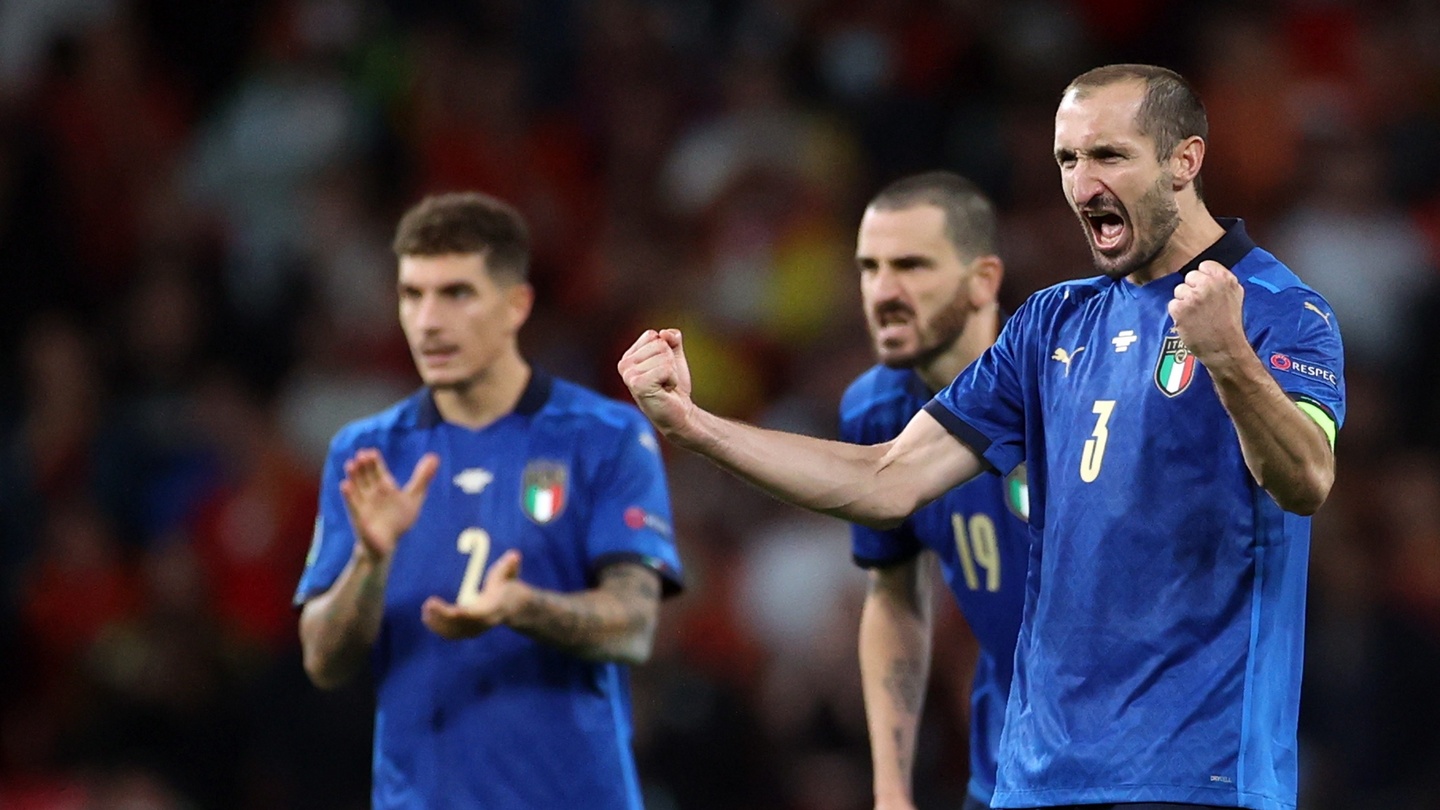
<point>1351,243</point>
<point>196,291</point>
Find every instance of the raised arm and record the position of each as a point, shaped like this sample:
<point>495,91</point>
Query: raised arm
<point>895,639</point>
<point>1287,451</point>
<point>614,621</point>
<point>877,485</point>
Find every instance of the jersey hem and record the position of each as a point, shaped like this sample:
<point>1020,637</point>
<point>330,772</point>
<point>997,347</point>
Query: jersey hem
<point>978,442</point>
<point>1131,794</point>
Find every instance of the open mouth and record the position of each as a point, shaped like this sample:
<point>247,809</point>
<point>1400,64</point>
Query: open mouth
<point>893,324</point>
<point>1108,230</point>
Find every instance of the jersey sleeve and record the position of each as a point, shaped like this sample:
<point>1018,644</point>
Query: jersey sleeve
<point>1296,335</point>
<point>631,519</point>
<point>334,540</point>
<point>984,405</point>
<point>874,548</point>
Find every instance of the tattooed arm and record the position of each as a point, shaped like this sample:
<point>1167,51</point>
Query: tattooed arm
<point>895,632</point>
<point>338,626</point>
<point>614,621</point>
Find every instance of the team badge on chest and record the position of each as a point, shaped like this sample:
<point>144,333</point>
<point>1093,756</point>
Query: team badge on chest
<point>544,490</point>
<point>1175,368</point>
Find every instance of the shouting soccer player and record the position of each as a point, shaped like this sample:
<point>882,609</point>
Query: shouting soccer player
<point>1176,415</point>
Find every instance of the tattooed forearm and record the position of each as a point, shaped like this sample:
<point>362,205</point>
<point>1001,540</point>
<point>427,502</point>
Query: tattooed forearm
<point>906,684</point>
<point>615,621</point>
<point>904,737</point>
<point>338,626</point>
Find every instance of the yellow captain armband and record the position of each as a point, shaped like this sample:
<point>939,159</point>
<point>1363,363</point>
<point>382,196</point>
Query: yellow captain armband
<point>1321,418</point>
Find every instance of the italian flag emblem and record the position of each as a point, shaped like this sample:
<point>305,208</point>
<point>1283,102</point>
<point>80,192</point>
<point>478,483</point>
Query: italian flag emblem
<point>1176,367</point>
<point>544,491</point>
<point>1017,492</point>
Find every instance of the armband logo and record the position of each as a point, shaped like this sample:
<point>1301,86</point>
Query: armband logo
<point>637,518</point>
<point>1284,362</point>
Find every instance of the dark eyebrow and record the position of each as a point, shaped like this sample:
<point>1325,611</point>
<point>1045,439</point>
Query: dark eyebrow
<point>1096,152</point>
<point>1105,150</point>
<point>908,261</point>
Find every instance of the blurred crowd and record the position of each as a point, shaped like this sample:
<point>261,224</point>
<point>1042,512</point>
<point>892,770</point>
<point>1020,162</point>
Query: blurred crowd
<point>196,201</point>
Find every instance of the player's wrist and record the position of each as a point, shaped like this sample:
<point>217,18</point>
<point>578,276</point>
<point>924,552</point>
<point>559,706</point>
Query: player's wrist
<point>1230,362</point>
<point>365,554</point>
<point>892,797</point>
<point>514,603</point>
<point>696,431</point>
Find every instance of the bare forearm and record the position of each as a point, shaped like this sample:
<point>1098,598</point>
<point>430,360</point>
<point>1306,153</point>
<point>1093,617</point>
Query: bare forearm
<point>1285,450</point>
<point>876,485</point>
<point>338,627</point>
<point>614,622</point>
<point>894,671</point>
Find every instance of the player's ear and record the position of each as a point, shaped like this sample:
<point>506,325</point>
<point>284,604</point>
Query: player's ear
<point>519,300</point>
<point>986,274</point>
<point>1185,162</point>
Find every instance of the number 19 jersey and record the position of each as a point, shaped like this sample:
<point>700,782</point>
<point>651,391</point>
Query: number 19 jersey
<point>1159,655</point>
<point>978,532</point>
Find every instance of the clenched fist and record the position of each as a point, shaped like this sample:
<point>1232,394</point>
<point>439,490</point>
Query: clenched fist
<point>1207,310</point>
<point>655,371</point>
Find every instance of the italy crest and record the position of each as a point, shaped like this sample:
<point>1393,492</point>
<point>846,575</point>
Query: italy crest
<point>544,490</point>
<point>1175,368</point>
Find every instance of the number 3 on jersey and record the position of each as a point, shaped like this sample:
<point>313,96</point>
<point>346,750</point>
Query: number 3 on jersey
<point>1094,452</point>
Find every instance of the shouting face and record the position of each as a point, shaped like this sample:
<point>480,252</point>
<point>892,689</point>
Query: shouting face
<point>1122,192</point>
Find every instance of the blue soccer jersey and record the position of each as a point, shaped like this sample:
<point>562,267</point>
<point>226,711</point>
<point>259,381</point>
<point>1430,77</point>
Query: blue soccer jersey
<point>574,482</point>
<point>979,534</point>
<point>1159,657</point>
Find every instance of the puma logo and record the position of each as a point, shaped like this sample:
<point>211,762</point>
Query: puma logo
<point>1065,357</point>
<point>1318,311</point>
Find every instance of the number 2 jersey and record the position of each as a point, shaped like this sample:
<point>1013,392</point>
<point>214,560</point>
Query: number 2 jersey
<point>977,531</point>
<point>1159,658</point>
<point>573,481</point>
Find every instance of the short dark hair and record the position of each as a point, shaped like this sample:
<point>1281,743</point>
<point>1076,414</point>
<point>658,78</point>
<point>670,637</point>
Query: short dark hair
<point>1171,110</point>
<point>467,222</point>
<point>969,216</point>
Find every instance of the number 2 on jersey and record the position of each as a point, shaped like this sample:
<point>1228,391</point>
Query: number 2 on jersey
<point>1094,453</point>
<point>476,543</point>
<point>976,543</point>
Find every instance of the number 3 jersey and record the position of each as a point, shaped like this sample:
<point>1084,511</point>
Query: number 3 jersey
<point>574,482</point>
<point>977,531</point>
<point>1159,658</point>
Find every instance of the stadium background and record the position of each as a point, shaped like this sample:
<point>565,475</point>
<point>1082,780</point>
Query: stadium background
<point>195,291</point>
